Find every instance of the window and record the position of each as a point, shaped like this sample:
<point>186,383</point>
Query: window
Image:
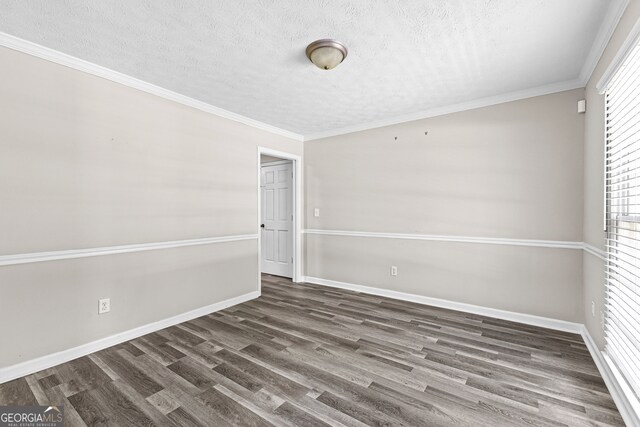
<point>622,162</point>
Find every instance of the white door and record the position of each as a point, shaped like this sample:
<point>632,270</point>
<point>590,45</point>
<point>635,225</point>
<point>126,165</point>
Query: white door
<point>276,185</point>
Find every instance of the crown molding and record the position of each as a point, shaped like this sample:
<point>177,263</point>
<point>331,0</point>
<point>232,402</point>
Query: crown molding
<point>612,18</point>
<point>456,108</point>
<point>606,30</point>
<point>33,49</point>
<point>623,52</point>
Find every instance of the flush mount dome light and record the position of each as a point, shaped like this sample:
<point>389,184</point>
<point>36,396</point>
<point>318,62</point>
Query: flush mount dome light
<point>326,54</point>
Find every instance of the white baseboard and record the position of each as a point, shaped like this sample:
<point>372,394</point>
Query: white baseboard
<point>616,387</point>
<point>34,365</point>
<point>544,322</point>
<point>619,391</point>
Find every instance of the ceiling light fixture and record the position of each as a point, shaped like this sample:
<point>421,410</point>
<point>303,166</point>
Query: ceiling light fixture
<point>326,54</point>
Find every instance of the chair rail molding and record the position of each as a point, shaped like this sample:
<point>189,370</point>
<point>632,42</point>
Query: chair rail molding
<point>559,244</point>
<point>110,250</point>
<point>595,251</point>
<point>461,239</point>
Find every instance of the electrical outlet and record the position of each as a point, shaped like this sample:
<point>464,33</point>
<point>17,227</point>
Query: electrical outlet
<point>316,212</point>
<point>593,309</point>
<point>394,270</point>
<point>104,305</point>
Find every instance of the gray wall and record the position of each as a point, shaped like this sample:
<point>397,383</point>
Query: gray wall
<point>507,171</point>
<point>266,159</point>
<point>594,289</point>
<point>88,163</point>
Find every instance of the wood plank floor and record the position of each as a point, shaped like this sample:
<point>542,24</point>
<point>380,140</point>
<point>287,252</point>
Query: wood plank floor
<point>307,355</point>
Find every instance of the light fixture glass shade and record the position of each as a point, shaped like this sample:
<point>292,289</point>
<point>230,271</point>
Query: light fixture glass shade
<point>326,58</point>
<point>326,54</point>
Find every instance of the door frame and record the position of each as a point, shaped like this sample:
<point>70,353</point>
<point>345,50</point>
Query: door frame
<point>297,211</point>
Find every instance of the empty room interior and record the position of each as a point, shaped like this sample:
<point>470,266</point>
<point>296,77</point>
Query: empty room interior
<point>320,213</point>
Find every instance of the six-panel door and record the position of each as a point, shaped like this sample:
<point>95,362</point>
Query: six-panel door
<point>277,217</point>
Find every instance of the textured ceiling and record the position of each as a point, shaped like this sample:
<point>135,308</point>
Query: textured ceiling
<point>247,56</point>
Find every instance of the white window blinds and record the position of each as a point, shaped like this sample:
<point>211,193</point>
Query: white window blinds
<point>622,162</point>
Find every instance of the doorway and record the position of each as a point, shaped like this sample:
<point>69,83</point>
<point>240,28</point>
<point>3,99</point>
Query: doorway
<point>276,211</point>
<point>279,209</point>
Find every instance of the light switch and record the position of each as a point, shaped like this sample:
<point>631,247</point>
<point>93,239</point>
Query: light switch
<point>316,212</point>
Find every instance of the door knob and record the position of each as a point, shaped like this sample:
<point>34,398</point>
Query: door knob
<point>261,225</point>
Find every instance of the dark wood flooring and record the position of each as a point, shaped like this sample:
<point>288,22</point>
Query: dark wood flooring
<point>308,355</point>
